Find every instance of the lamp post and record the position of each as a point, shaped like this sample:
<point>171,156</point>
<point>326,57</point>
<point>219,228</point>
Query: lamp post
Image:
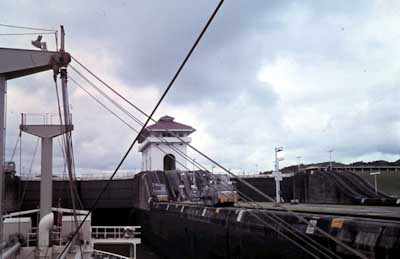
<point>298,163</point>
<point>330,158</point>
<point>277,175</point>
<point>375,181</point>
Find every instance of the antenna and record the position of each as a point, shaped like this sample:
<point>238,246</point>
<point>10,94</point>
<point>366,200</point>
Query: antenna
<point>62,36</point>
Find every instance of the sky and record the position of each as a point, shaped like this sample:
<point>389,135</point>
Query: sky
<point>310,76</point>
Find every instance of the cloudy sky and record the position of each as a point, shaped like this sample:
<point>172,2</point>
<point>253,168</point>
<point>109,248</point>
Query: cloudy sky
<point>306,75</point>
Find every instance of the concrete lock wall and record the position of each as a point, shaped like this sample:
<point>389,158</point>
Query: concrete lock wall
<point>222,233</point>
<point>11,187</point>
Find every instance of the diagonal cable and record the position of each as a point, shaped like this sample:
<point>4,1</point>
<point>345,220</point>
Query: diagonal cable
<point>272,217</point>
<point>147,121</point>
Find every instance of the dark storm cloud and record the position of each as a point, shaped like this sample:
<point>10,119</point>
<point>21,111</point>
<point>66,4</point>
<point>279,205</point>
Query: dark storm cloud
<point>145,41</point>
<point>222,65</point>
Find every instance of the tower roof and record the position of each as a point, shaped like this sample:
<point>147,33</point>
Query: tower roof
<point>166,123</point>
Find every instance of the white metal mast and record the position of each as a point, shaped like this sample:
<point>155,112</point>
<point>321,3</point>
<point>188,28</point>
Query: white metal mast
<point>15,63</point>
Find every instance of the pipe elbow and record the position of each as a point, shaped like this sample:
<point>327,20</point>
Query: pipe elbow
<point>45,226</point>
<point>46,223</point>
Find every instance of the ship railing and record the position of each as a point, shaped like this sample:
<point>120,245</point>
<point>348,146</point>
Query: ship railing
<point>115,232</point>
<point>56,235</point>
<point>99,254</point>
<point>32,237</point>
<point>59,176</point>
<point>42,119</point>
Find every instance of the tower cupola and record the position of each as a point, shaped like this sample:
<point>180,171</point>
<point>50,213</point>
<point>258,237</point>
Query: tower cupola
<point>164,145</point>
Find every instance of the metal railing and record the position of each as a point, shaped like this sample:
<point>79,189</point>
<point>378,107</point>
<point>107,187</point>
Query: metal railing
<point>32,238</point>
<point>59,176</point>
<point>115,232</point>
<point>99,254</point>
<point>42,119</point>
<point>56,236</point>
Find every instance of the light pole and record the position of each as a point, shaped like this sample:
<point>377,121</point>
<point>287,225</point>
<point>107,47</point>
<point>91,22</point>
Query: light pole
<point>293,179</point>
<point>277,175</point>
<point>375,181</point>
<point>256,168</point>
<point>330,158</point>
<point>298,163</point>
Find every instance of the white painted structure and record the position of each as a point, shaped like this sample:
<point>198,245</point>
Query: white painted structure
<point>164,145</point>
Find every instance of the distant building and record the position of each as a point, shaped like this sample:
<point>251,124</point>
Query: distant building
<point>164,144</point>
<point>381,166</point>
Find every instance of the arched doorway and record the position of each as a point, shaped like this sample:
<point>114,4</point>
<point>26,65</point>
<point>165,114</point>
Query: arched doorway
<point>169,162</point>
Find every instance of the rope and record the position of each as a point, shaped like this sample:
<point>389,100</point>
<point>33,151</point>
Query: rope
<point>28,175</point>
<point>324,233</point>
<point>25,34</point>
<point>148,119</point>
<point>15,147</point>
<point>277,220</point>
<point>193,162</point>
<point>26,28</point>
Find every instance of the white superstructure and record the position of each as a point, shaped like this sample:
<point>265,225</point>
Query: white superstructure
<point>164,145</point>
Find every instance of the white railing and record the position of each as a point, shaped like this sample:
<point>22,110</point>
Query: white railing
<point>32,238</point>
<point>56,235</point>
<point>115,232</point>
<point>42,118</point>
<point>99,254</point>
<point>82,176</point>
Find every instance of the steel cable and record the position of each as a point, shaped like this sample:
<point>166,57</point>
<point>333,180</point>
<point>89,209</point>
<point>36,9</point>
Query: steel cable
<point>276,220</point>
<point>324,233</point>
<point>25,28</point>
<point>148,119</point>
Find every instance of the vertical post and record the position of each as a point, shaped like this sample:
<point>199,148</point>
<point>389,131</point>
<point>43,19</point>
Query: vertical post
<point>330,159</point>
<point>277,183</point>
<point>62,32</point>
<point>46,183</point>
<point>375,184</point>
<point>2,109</point>
<point>294,182</point>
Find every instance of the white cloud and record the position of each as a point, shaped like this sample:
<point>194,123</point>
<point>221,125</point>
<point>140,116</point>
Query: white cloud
<point>309,77</point>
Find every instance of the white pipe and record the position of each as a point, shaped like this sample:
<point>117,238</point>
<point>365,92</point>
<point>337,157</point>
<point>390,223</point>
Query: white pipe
<point>45,225</point>
<point>11,251</point>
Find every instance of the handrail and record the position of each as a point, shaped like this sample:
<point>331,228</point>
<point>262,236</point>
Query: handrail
<point>114,232</point>
<point>41,118</point>
<point>110,254</point>
<point>95,175</point>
